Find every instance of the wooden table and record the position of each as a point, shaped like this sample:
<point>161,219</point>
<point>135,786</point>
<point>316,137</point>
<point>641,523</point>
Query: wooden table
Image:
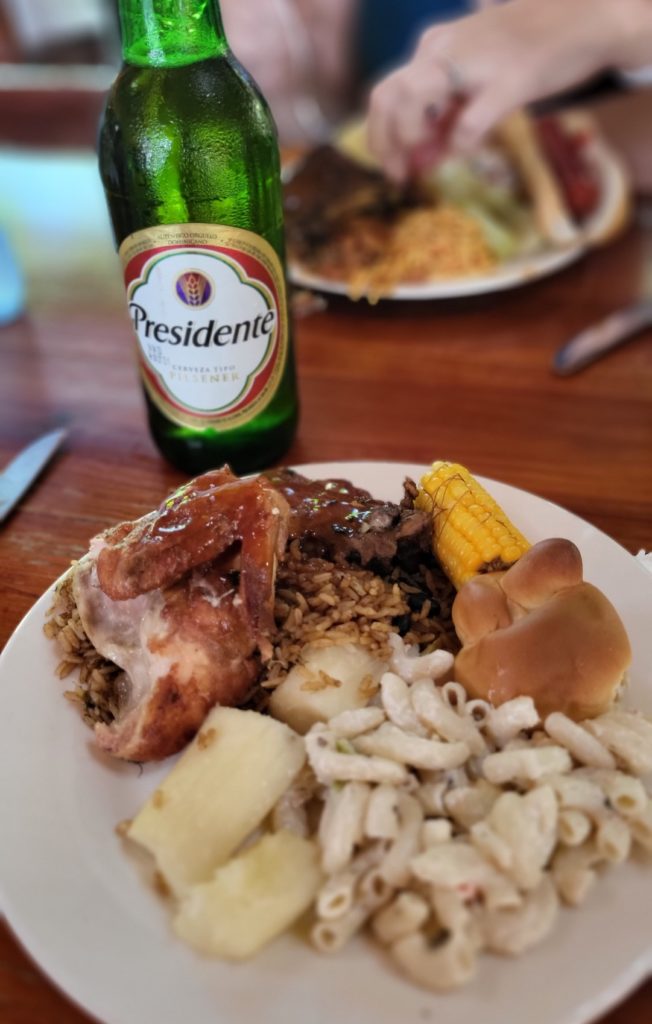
<point>411,382</point>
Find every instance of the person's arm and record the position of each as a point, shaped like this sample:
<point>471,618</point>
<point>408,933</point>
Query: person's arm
<point>486,65</point>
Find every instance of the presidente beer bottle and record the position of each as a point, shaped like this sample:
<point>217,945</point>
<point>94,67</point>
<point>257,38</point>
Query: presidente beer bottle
<point>190,166</point>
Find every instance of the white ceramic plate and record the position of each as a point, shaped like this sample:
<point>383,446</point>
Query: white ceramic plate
<point>78,904</point>
<point>508,275</point>
<point>607,219</point>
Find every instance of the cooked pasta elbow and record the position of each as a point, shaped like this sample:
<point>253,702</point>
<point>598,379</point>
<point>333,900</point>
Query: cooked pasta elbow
<point>437,968</point>
<point>513,931</point>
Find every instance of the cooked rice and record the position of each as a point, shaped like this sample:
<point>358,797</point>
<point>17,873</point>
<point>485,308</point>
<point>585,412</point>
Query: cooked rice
<point>426,244</point>
<point>97,689</point>
<point>317,602</point>
<point>320,603</point>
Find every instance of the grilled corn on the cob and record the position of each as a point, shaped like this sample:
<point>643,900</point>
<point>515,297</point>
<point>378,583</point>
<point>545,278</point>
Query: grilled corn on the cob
<point>471,533</point>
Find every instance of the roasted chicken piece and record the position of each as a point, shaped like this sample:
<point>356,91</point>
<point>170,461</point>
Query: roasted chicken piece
<point>182,601</point>
<point>198,523</point>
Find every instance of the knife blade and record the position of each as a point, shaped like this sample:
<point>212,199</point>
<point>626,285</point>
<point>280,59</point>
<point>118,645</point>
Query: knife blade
<point>614,330</point>
<point>22,471</point>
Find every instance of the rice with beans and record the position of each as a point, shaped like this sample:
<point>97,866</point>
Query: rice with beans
<point>98,690</point>
<point>317,603</point>
<point>320,604</point>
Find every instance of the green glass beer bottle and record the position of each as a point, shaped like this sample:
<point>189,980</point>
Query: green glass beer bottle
<point>190,166</point>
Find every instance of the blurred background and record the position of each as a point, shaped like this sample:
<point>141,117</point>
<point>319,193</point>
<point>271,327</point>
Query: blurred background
<point>314,60</point>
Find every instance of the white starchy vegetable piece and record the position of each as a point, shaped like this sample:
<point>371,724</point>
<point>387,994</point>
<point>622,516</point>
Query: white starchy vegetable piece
<point>349,724</point>
<point>331,936</point>
<point>395,866</point>
<point>329,680</point>
<point>627,736</point>
<point>406,913</point>
<point>381,820</point>
<point>252,898</point>
<point>573,871</point>
<point>577,792</point>
<point>329,765</point>
<point>435,830</point>
<point>528,824</point>
<point>454,865</point>
<point>626,794</point>
<point>505,722</point>
<point>344,825</point>
<point>223,785</point>
<point>471,803</point>
<point>417,666</point>
<point>584,747</point>
<point>389,741</point>
<point>574,827</point>
<point>514,931</point>
<point>526,765</point>
<point>492,846</point>
<point>395,698</point>
<point>434,712</point>
<point>439,968</point>
<point>613,837</point>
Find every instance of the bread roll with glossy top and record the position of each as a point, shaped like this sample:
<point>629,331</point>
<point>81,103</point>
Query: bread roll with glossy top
<point>539,630</point>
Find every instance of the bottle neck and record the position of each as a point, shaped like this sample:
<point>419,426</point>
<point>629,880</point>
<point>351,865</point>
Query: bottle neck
<point>170,33</point>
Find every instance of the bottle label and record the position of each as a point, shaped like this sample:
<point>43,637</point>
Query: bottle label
<point>208,306</point>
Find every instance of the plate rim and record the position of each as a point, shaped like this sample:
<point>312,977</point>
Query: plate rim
<point>619,987</point>
<point>509,275</point>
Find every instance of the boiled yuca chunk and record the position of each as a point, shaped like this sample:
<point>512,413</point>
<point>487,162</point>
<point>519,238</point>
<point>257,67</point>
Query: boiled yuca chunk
<point>341,677</point>
<point>251,899</point>
<point>222,787</point>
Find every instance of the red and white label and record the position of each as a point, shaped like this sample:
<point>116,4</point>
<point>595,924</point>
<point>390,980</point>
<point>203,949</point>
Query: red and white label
<point>208,307</point>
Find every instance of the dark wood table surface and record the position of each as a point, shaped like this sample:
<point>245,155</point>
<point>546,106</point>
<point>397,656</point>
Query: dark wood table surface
<point>468,381</point>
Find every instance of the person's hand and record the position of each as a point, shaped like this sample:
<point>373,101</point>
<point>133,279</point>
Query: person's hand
<point>467,75</point>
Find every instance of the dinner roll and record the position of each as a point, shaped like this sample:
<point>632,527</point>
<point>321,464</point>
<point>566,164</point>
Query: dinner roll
<point>539,630</point>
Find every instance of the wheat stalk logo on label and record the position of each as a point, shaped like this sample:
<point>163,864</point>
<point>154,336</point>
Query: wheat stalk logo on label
<point>194,288</point>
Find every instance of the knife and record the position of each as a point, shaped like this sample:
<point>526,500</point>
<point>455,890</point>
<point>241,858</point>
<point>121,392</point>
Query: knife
<point>614,330</point>
<point>22,471</point>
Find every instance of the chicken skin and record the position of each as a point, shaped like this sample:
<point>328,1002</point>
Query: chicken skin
<point>182,601</point>
<point>198,523</point>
